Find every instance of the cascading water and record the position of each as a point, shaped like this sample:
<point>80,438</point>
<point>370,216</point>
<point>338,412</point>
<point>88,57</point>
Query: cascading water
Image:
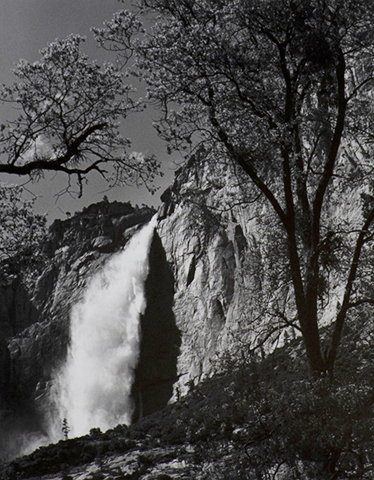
<point>94,386</point>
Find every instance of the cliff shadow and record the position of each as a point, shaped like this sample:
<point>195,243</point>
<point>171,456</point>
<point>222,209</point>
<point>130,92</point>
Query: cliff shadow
<point>161,339</point>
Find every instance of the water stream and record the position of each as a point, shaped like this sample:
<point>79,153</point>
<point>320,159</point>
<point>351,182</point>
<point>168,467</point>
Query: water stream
<point>93,389</point>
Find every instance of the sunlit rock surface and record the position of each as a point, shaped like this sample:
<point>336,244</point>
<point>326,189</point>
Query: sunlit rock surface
<point>202,269</point>
<point>206,241</point>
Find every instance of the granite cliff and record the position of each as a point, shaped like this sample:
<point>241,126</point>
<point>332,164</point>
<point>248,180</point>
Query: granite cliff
<point>207,243</point>
<point>203,262</point>
<point>35,321</point>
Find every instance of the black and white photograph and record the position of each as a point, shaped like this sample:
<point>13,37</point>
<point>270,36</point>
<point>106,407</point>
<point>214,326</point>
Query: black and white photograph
<point>187,240</point>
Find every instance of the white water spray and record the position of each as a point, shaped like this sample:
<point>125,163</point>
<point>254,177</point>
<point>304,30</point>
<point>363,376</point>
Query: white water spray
<point>94,387</point>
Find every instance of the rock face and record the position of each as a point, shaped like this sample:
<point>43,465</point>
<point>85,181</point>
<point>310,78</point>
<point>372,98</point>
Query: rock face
<point>157,369</point>
<point>196,288</point>
<point>206,245</point>
<point>76,248</point>
<point>17,312</point>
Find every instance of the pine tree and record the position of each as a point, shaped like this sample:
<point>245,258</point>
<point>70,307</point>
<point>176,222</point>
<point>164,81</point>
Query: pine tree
<point>65,429</point>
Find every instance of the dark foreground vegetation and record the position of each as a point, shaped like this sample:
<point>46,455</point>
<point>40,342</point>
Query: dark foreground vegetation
<point>256,419</point>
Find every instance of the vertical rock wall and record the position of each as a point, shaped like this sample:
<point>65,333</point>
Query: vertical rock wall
<point>203,264</point>
<point>161,339</point>
<point>196,288</point>
<point>208,243</point>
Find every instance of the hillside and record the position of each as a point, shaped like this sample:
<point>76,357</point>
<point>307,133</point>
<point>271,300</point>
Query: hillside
<point>256,420</point>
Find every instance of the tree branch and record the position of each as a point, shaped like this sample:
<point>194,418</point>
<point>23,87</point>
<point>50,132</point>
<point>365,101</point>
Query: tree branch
<point>346,304</point>
<point>331,159</point>
<point>242,161</point>
<point>58,163</point>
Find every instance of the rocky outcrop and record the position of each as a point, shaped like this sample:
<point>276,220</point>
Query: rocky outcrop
<point>211,247</point>
<point>76,249</point>
<point>157,371</point>
<point>202,262</point>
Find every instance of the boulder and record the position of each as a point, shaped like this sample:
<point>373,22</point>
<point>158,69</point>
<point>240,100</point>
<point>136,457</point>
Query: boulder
<point>103,244</point>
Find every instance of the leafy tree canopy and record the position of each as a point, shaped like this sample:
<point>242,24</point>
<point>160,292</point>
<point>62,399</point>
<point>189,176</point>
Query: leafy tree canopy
<point>22,234</point>
<point>283,89</point>
<point>67,112</point>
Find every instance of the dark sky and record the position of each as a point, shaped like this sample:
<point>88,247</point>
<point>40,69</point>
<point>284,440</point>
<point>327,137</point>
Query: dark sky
<point>26,26</point>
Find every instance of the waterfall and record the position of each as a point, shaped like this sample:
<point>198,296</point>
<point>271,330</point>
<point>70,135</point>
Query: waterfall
<point>93,389</point>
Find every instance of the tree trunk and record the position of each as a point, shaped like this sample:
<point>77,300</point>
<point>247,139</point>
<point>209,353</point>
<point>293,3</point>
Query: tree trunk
<point>306,304</point>
<point>310,332</point>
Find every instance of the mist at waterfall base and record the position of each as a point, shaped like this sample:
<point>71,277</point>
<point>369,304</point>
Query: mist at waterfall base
<point>93,389</point>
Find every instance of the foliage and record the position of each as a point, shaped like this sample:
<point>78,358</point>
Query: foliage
<point>95,432</point>
<point>68,112</point>
<point>265,418</point>
<point>255,420</point>
<point>281,89</point>
<point>22,234</point>
<point>65,429</point>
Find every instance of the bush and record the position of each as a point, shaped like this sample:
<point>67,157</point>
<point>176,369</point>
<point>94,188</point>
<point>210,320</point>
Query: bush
<point>280,420</point>
<point>259,420</point>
